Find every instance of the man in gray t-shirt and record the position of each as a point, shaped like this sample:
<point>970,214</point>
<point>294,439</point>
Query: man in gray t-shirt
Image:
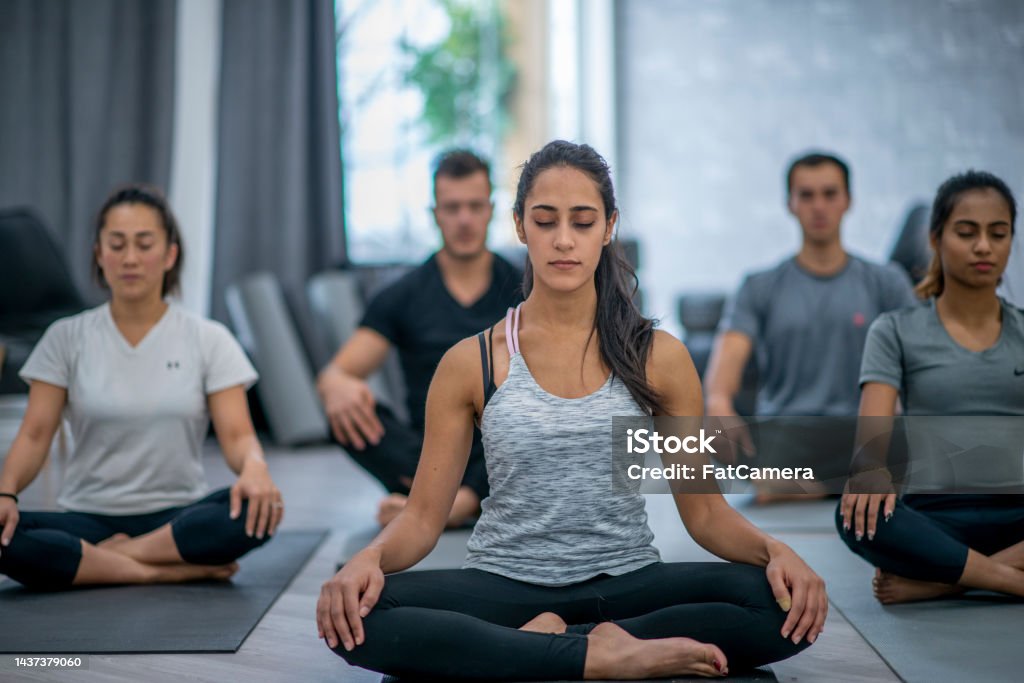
<point>806,319</point>
<point>808,331</point>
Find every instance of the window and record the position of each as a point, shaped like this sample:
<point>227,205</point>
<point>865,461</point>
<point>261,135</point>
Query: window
<point>414,78</point>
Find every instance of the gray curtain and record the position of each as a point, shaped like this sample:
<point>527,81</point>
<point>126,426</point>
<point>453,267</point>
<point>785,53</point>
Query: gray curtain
<point>279,192</point>
<point>86,103</point>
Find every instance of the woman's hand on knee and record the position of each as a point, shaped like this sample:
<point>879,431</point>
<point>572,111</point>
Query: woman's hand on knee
<point>860,512</point>
<point>800,592</point>
<point>266,506</point>
<point>347,598</point>
<point>8,519</point>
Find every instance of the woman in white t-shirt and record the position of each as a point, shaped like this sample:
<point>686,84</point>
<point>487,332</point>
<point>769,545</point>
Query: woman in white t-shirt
<point>139,380</point>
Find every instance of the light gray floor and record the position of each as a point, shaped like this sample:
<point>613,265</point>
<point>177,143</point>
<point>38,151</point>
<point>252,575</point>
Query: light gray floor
<point>958,639</point>
<point>324,489</point>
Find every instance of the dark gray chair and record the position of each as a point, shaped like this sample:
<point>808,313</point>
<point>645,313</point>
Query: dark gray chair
<point>35,289</point>
<point>699,315</point>
<point>337,304</point>
<point>261,321</point>
<point>912,249</point>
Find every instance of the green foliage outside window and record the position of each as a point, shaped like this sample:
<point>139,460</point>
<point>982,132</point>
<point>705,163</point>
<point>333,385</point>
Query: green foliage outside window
<point>467,78</point>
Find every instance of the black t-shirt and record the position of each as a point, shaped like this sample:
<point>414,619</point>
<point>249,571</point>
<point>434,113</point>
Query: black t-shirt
<point>421,318</point>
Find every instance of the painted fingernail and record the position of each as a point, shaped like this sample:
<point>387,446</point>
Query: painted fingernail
<point>785,604</point>
<point>846,527</point>
<point>860,535</point>
<point>785,634</point>
<point>718,667</point>
<point>871,535</point>
<point>364,611</point>
<point>888,516</point>
<point>796,640</point>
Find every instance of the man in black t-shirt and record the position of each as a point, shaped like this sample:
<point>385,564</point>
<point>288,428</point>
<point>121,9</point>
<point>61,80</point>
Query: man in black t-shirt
<point>460,290</point>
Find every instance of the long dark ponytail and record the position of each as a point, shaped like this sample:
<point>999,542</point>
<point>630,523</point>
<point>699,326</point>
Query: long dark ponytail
<point>624,335</point>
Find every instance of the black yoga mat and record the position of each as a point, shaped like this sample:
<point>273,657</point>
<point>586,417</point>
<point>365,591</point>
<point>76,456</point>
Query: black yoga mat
<point>973,638</point>
<point>190,617</point>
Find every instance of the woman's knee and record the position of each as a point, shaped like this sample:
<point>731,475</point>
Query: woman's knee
<point>208,535</point>
<point>41,559</point>
<point>377,652</point>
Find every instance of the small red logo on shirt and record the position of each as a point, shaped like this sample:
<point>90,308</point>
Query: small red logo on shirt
<point>858,319</point>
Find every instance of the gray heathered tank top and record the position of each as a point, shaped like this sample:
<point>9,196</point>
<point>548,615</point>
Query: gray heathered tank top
<point>552,517</point>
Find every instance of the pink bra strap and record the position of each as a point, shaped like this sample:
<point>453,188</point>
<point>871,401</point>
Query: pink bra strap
<point>508,333</point>
<point>512,330</point>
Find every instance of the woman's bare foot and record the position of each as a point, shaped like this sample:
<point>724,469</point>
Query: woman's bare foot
<point>390,507</point>
<point>892,589</point>
<point>112,542</point>
<point>546,622</point>
<point>180,573</point>
<point>614,653</point>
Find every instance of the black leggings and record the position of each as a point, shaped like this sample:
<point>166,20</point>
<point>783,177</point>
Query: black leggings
<point>462,623</point>
<point>395,458</point>
<point>46,549</point>
<point>928,536</point>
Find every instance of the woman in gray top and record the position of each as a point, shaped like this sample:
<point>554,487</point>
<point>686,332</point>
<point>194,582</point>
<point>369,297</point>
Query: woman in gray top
<point>960,357</point>
<point>562,580</point>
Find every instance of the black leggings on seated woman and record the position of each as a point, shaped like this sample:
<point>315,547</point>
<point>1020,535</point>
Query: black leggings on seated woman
<point>46,549</point>
<point>463,623</point>
<point>929,535</point>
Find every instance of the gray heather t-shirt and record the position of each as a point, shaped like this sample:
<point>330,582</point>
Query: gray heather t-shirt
<point>809,331</point>
<point>138,414</point>
<point>911,351</point>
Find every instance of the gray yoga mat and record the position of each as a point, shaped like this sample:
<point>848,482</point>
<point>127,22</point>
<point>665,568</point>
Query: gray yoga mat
<point>191,617</point>
<point>974,638</point>
<point>788,516</point>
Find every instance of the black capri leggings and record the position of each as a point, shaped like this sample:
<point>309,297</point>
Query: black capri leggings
<point>928,536</point>
<point>46,548</point>
<point>462,623</point>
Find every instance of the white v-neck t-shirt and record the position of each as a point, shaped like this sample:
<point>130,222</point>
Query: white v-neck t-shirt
<point>138,415</point>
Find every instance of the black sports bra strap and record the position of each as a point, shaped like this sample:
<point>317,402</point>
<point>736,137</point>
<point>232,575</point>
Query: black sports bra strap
<point>490,372</point>
<point>484,365</point>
